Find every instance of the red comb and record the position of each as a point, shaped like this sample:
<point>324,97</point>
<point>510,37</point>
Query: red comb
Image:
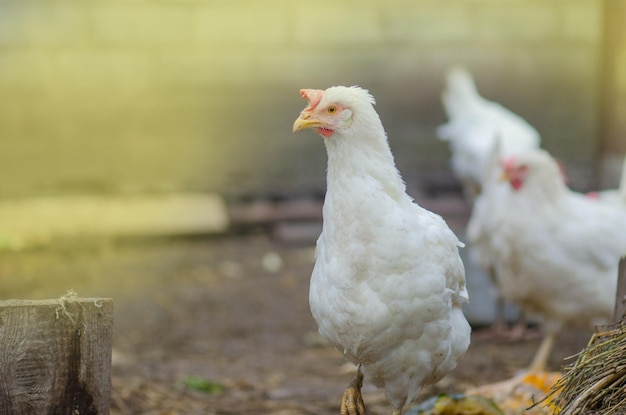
<point>508,163</point>
<point>313,95</point>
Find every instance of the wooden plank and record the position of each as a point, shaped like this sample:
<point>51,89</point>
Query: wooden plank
<point>37,221</point>
<point>55,356</point>
<point>620,300</point>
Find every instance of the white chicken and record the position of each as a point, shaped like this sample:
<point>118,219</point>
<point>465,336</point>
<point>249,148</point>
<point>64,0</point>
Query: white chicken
<point>474,123</point>
<point>388,281</point>
<point>556,252</point>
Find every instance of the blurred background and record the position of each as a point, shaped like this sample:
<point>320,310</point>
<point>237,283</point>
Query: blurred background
<point>161,118</point>
<point>155,97</point>
<point>190,95</point>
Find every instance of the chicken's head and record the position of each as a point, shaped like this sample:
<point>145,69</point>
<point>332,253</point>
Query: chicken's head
<point>513,172</point>
<point>534,166</point>
<point>332,110</point>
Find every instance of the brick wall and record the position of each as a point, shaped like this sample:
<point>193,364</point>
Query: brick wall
<point>149,95</point>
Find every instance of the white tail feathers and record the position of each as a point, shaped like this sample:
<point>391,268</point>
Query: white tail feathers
<point>460,92</point>
<point>495,154</point>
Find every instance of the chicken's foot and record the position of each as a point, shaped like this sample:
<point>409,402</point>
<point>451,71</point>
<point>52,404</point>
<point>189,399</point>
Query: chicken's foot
<point>352,401</point>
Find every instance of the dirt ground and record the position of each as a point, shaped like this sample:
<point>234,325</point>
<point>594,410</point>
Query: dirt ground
<point>222,326</point>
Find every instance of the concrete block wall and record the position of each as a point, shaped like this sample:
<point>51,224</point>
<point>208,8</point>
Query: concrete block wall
<point>150,96</point>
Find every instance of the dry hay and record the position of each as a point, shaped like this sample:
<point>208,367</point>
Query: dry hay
<point>596,382</point>
<point>517,395</point>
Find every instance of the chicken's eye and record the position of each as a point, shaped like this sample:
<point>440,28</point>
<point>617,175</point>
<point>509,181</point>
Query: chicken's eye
<point>332,109</point>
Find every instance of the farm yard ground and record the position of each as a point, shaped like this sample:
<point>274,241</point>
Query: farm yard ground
<point>221,325</point>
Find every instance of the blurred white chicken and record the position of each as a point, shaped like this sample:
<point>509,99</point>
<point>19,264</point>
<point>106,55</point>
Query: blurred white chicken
<point>555,252</point>
<point>388,281</point>
<point>474,123</point>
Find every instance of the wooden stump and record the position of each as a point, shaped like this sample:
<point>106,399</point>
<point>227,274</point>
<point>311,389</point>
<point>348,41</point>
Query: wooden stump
<point>55,356</point>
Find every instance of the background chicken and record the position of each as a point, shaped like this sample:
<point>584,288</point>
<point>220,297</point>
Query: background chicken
<point>388,282</point>
<point>555,251</point>
<point>474,123</point>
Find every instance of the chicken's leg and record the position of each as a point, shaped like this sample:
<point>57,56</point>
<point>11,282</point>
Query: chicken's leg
<point>352,401</point>
<point>540,360</point>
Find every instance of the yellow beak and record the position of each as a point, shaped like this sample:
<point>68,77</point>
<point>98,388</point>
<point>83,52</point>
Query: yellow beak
<point>304,122</point>
<point>504,177</point>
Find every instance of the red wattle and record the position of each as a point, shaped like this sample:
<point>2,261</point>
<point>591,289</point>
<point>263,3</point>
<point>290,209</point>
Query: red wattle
<point>326,132</point>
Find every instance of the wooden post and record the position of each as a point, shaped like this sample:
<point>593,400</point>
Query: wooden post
<point>55,356</point>
<point>620,299</point>
<point>612,102</point>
